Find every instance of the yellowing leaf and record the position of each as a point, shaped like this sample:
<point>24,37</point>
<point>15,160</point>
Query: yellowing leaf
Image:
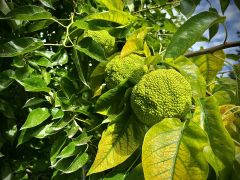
<point>112,4</point>
<point>119,17</point>
<point>118,142</point>
<point>173,150</point>
<point>146,50</point>
<point>210,64</point>
<point>131,46</point>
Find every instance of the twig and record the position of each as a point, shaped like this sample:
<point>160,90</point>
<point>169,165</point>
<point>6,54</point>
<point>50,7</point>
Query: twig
<point>213,49</point>
<point>58,22</point>
<point>49,44</point>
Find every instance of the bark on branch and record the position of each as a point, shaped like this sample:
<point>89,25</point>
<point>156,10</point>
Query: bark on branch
<point>213,49</point>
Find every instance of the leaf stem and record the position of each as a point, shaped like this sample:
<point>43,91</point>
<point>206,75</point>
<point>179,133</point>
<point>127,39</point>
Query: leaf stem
<point>58,22</point>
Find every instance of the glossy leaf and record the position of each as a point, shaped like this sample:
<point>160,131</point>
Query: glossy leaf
<point>82,139</point>
<point>68,151</point>
<point>34,84</point>
<point>91,48</point>
<point>214,28</point>
<point>190,32</point>
<point>60,58</point>
<point>38,25</point>
<point>119,17</point>
<point>191,72</point>
<point>130,46</point>
<point>224,4</point>
<point>117,143</point>
<point>187,7</point>
<point>5,80</point>
<point>173,149</point>
<point>47,3</point>
<point>210,64</point>
<point>112,4</point>
<point>36,117</point>
<point>70,165</point>
<point>29,13</point>
<point>56,148</point>
<point>33,101</point>
<point>19,46</point>
<point>219,139</point>
<point>78,64</point>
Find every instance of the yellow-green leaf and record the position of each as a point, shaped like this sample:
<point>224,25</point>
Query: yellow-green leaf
<point>118,142</point>
<point>112,4</point>
<point>119,17</point>
<point>210,64</point>
<point>173,150</point>
<point>131,46</point>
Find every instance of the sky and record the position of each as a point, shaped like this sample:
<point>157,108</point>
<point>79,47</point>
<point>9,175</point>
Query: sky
<point>232,22</point>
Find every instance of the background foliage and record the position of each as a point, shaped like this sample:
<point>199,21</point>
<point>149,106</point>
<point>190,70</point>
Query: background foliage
<point>59,120</point>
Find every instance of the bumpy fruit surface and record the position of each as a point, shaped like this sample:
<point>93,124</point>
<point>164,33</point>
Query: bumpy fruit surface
<point>103,38</point>
<point>160,94</point>
<point>131,67</point>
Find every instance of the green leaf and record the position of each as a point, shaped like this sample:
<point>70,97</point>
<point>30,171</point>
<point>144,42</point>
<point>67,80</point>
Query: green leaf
<point>136,173</point>
<point>234,57</point>
<point>78,64</point>
<point>106,99</point>
<point>74,128</point>
<point>117,143</point>
<point>219,139</point>
<point>33,101</point>
<point>210,64</point>
<point>172,150</point>
<point>30,13</point>
<point>5,80</point>
<point>236,68</point>
<point>56,148</point>
<point>214,28</point>
<point>69,165</point>
<point>187,7</point>
<point>119,17</point>
<point>20,46</point>
<point>190,32</point>
<point>60,58</point>
<point>112,4</point>
<point>91,48</point>
<point>82,139</point>
<point>36,117</point>
<point>47,3</point>
<point>80,24</point>
<point>224,4</point>
<point>68,151</point>
<point>6,109</point>
<point>57,113</point>
<point>35,84</point>
<point>237,3</point>
<point>191,72</point>
<point>38,25</point>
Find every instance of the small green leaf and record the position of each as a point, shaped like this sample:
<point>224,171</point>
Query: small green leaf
<point>82,139</point>
<point>56,148</point>
<point>33,101</point>
<point>237,3</point>
<point>20,46</point>
<point>119,17</point>
<point>47,3</point>
<point>38,25</point>
<point>187,7</point>
<point>118,142</point>
<point>30,13</point>
<point>69,165</point>
<point>35,84</point>
<point>60,58</point>
<point>172,149</point>
<point>36,117</point>
<point>214,28</point>
<point>5,80</point>
<point>224,4</point>
<point>57,113</point>
<point>190,32</point>
<point>78,64</point>
<point>136,173</point>
<point>234,57</point>
<point>68,151</point>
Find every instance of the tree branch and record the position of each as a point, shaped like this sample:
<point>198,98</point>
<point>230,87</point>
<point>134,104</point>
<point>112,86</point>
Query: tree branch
<point>213,49</point>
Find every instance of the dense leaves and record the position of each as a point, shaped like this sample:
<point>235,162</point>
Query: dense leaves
<point>59,119</point>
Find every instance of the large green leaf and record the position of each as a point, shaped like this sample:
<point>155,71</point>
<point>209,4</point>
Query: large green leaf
<point>119,17</point>
<point>174,150</point>
<point>220,141</point>
<point>187,7</point>
<point>29,13</point>
<point>210,64</point>
<point>36,117</point>
<point>20,46</point>
<point>191,72</point>
<point>190,32</point>
<point>118,142</point>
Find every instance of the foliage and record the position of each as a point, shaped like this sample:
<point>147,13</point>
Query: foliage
<point>60,120</point>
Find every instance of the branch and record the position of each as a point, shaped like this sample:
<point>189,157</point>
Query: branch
<point>213,49</point>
